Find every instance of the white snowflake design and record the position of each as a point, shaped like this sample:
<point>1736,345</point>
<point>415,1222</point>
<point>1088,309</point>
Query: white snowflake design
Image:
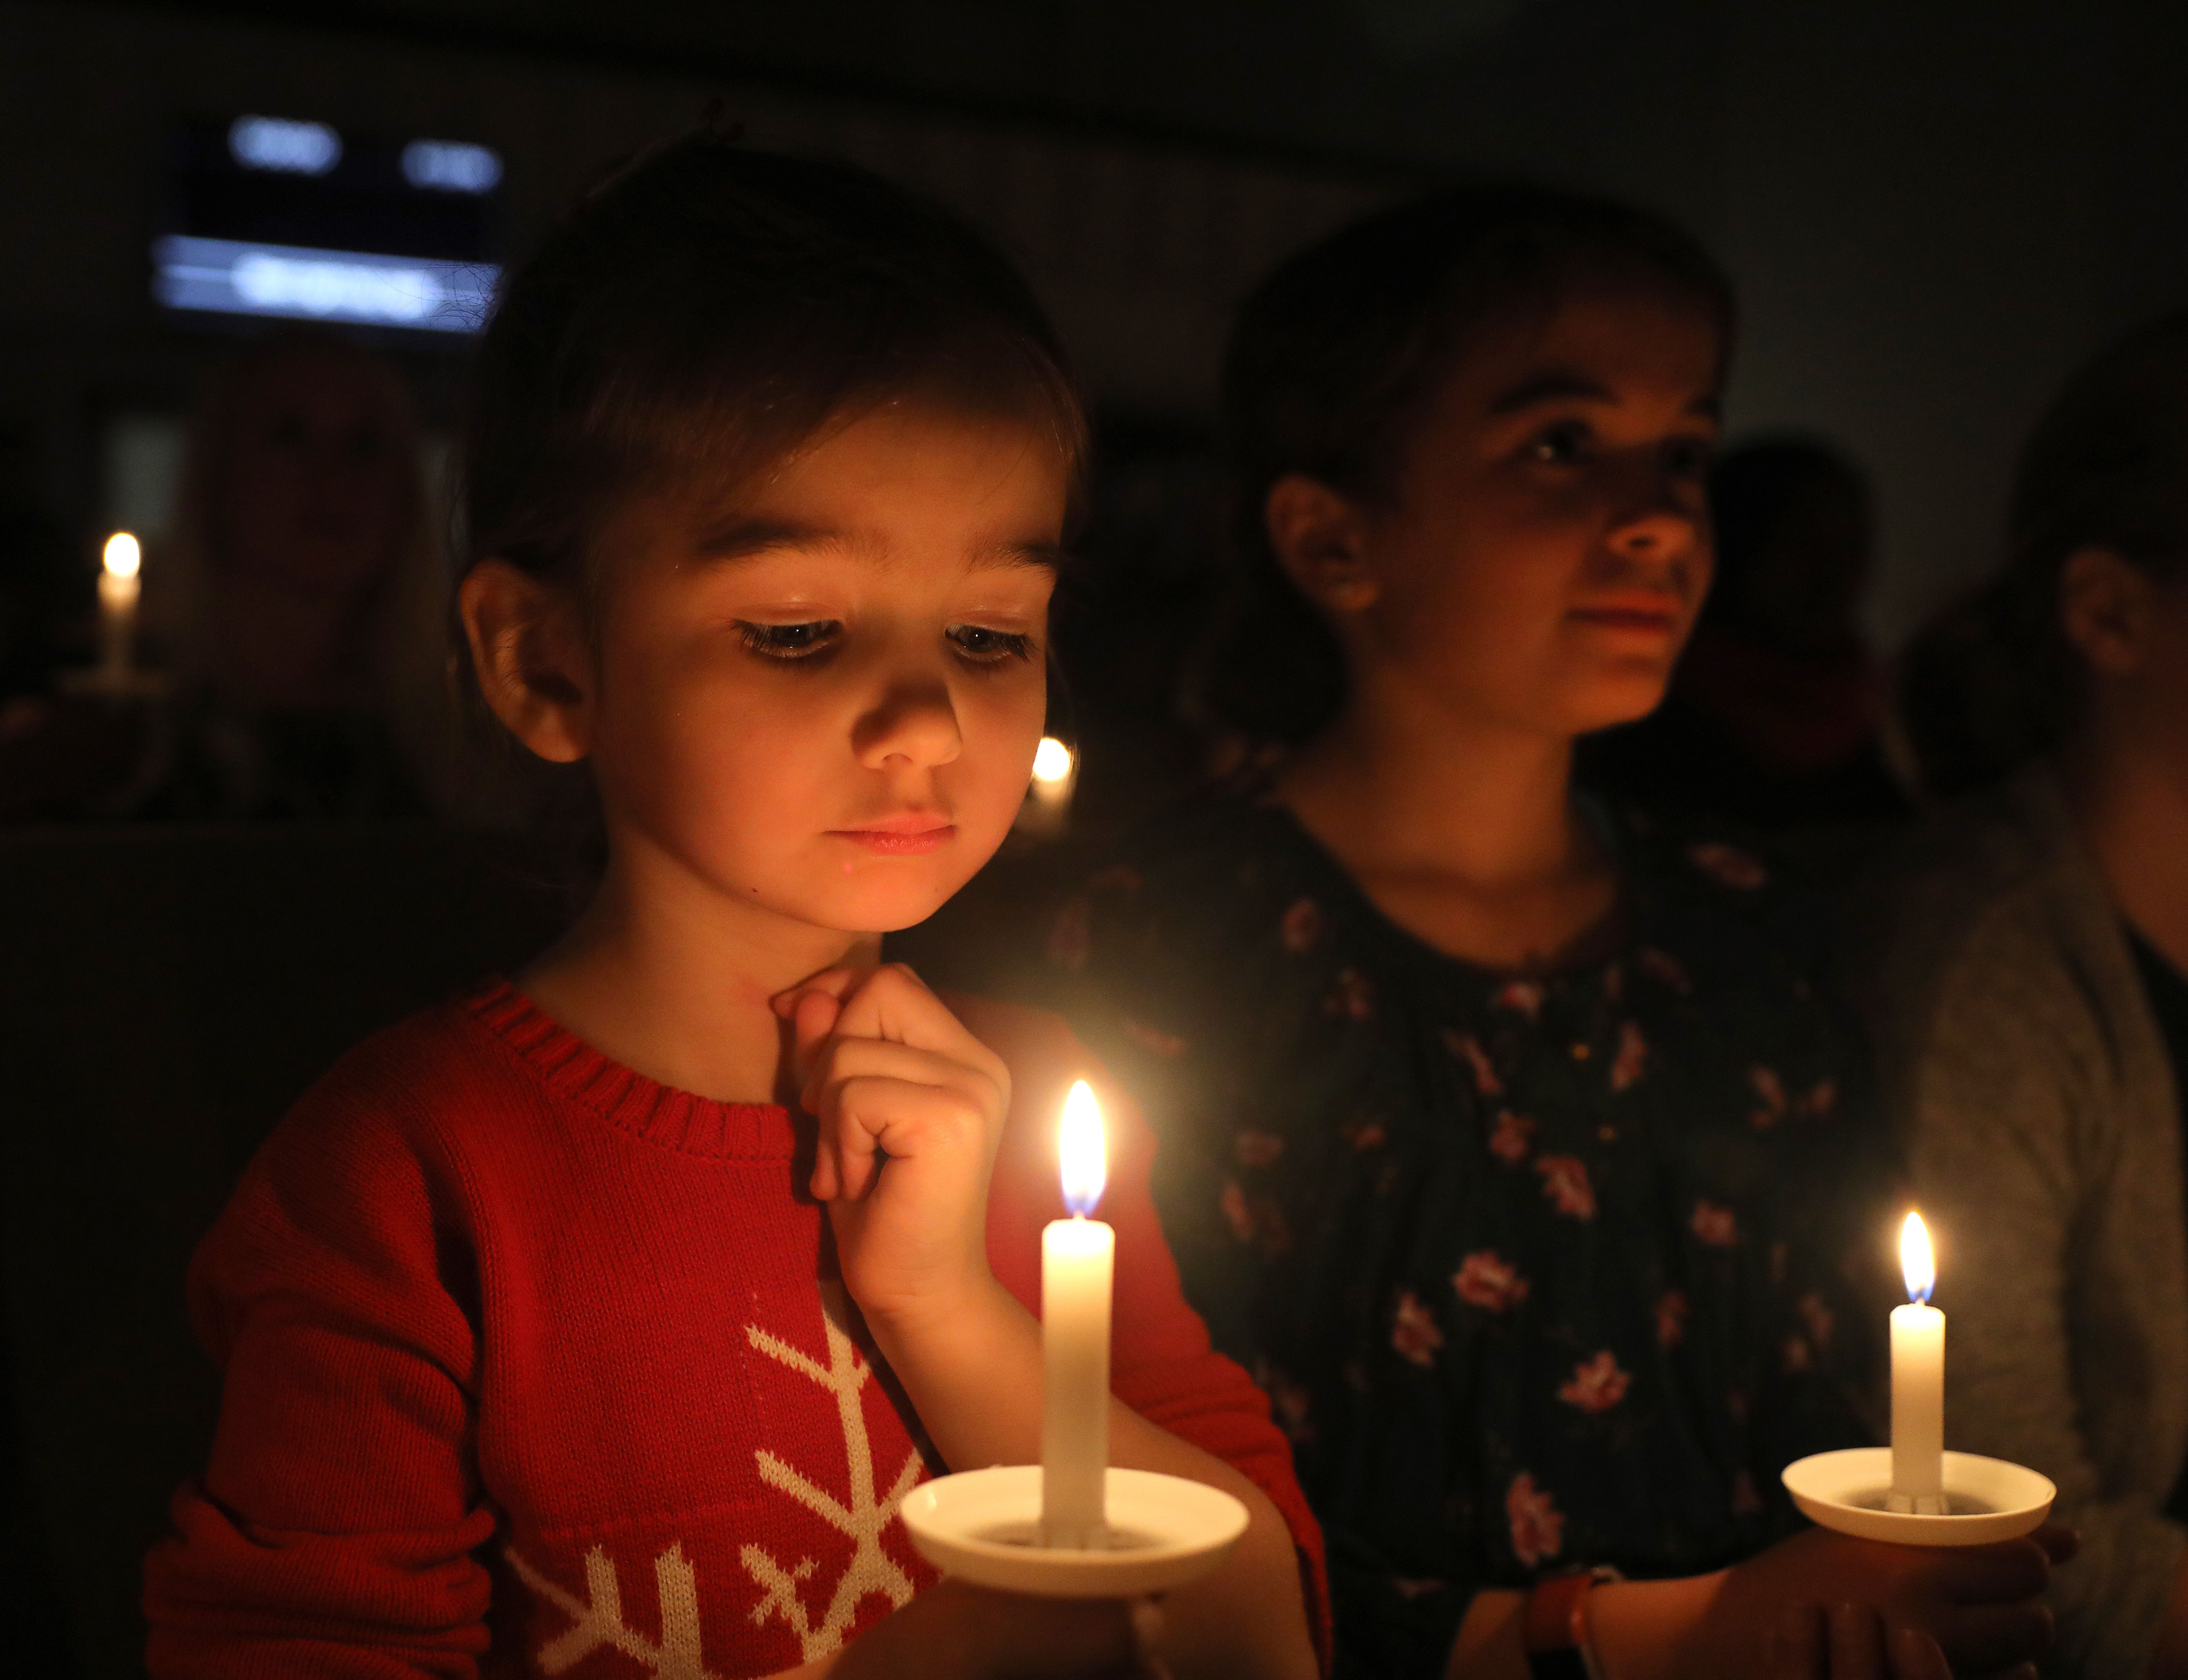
<point>872,1569</point>
<point>598,1623</point>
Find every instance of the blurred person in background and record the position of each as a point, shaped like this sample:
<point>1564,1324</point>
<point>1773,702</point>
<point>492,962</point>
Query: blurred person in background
<point>295,608</point>
<point>299,600</point>
<point>2024,965</point>
<point>1773,715</point>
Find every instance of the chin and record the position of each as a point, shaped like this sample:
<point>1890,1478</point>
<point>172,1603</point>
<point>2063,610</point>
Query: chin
<point>1616,698</point>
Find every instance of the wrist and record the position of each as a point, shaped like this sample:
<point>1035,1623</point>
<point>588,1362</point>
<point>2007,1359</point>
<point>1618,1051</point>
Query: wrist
<point>916,1328</point>
<point>1556,1630</point>
<point>1656,1630</point>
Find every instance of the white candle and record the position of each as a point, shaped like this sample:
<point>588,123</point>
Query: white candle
<point>1918,1382</point>
<point>1077,1261</point>
<point>1047,808</point>
<point>120,583</point>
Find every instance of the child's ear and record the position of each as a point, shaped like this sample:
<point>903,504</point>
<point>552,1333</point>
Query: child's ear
<point>2105,607</point>
<point>1319,538</point>
<point>533,661</point>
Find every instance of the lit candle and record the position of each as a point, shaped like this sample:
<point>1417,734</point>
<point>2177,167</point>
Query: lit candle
<point>120,583</point>
<point>1078,1260</point>
<point>1048,800</point>
<point>1918,1382</point>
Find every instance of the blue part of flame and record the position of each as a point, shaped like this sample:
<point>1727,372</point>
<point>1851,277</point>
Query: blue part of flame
<point>1921,1297</point>
<point>1082,1207</point>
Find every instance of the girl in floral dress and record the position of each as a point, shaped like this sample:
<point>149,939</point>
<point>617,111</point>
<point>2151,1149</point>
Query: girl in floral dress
<point>1504,1136</point>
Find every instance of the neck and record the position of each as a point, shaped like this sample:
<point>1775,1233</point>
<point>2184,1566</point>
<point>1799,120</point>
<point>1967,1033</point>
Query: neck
<point>670,975</point>
<point>1401,784</point>
<point>2131,807</point>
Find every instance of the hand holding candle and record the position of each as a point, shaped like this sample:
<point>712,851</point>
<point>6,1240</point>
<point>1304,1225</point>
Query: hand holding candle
<point>1918,1382</point>
<point>1078,1257</point>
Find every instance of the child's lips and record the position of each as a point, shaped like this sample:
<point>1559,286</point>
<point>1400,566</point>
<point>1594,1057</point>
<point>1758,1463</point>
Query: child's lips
<point>900,837</point>
<point>1657,618</point>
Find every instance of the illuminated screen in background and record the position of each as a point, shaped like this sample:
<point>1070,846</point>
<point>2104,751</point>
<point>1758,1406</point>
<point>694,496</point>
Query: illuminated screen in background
<point>273,215</point>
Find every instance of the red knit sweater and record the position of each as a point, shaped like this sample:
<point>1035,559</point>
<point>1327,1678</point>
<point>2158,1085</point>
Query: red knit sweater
<point>536,1366</point>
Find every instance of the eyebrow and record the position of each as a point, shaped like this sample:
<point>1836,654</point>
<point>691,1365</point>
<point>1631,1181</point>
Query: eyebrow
<point>744,539</point>
<point>1560,385</point>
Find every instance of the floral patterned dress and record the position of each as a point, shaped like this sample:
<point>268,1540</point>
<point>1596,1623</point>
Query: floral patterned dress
<point>1540,1272</point>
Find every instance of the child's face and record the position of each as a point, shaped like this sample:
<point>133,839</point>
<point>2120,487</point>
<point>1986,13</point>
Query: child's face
<point>1548,547</point>
<point>826,704</point>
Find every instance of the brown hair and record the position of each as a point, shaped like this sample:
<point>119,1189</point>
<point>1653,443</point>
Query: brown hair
<point>707,311</point>
<point>1334,360</point>
<point>1993,681</point>
<point>697,318</point>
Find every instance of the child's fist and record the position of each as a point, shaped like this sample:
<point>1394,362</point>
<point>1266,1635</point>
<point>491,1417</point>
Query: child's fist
<point>911,1107</point>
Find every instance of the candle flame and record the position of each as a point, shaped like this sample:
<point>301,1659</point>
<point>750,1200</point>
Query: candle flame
<point>1086,1153</point>
<point>1052,760</point>
<point>122,555</point>
<point>1915,1259</point>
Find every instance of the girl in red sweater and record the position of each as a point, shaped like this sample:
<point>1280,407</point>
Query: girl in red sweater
<point>558,1338</point>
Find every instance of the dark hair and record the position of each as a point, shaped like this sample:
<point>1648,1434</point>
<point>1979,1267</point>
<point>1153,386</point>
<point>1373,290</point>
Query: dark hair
<point>1333,360</point>
<point>1758,493</point>
<point>697,317</point>
<point>711,308</point>
<point>1993,681</point>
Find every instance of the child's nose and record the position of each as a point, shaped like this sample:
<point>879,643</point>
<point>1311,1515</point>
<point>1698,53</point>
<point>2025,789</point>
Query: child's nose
<point>914,724</point>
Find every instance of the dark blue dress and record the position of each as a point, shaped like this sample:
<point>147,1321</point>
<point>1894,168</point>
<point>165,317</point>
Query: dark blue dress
<point>1540,1272</point>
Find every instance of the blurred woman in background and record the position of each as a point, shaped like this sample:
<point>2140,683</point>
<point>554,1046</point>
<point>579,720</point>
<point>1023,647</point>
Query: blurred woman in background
<point>2022,965</point>
<point>295,616</point>
<point>299,600</point>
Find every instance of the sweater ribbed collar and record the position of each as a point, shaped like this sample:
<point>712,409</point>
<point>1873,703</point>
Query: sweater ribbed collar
<point>627,1099</point>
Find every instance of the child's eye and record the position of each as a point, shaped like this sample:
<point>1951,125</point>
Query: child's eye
<point>1560,445</point>
<point>984,647</point>
<point>789,641</point>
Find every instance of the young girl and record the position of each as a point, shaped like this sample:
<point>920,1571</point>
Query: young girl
<point>558,1339</point>
<point>2026,969</point>
<point>1505,1137</point>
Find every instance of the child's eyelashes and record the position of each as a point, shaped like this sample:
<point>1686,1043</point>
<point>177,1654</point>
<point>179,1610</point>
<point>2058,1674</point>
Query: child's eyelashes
<point>790,642</point>
<point>981,645</point>
<point>975,644</point>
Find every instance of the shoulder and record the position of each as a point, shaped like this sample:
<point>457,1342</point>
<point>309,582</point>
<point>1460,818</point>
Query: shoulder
<point>1988,902</point>
<point>1200,890</point>
<point>1729,899</point>
<point>400,1114</point>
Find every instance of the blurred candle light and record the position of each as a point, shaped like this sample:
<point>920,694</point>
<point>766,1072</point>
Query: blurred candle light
<point>120,583</point>
<point>1048,800</point>
<point>1918,1381</point>
<point>1078,1264</point>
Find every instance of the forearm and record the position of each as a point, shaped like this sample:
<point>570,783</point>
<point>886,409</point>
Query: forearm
<point>1643,1630</point>
<point>973,1374</point>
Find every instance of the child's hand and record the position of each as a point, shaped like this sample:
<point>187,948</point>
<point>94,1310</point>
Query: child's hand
<point>912,1108</point>
<point>1981,1604</point>
<point>1849,1643</point>
<point>958,1632</point>
<point>969,1633</point>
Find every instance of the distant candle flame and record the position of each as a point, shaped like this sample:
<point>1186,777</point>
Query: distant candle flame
<point>122,555</point>
<point>1052,760</point>
<point>1086,1153</point>
<point>1915,1259</point>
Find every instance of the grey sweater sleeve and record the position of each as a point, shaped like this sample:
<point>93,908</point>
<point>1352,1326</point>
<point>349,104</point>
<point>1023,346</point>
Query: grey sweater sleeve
<point>2000,1079</point>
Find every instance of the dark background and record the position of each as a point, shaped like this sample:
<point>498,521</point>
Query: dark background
<point>1933,207</point>
<point>1933,210</point>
